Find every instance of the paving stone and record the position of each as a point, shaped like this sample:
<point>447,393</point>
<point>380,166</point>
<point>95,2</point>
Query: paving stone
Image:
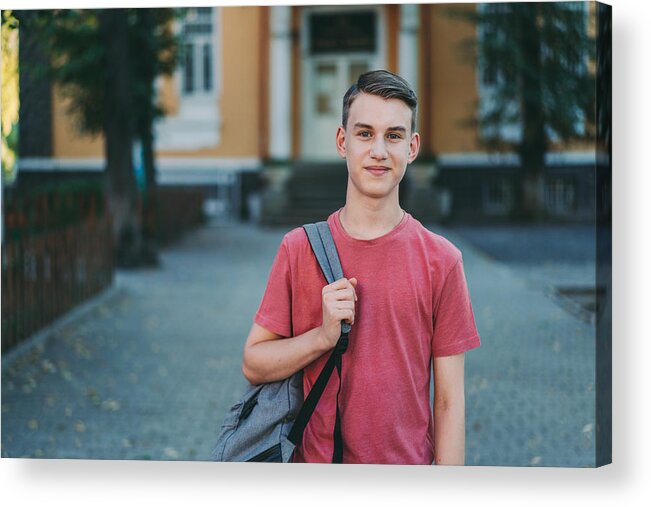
<point>150,373</point>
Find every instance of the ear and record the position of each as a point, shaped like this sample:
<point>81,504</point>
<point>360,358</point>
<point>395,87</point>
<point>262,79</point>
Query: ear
<point>414,147</point>
<point>341,142</point>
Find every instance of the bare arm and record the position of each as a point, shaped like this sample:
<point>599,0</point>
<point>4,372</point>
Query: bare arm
<point>449,410</point>
<point>268,358</point>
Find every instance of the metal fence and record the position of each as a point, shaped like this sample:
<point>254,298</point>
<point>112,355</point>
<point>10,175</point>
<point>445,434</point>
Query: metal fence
<point>57,253</point>
<point>58,248</point>
<point>170,211</point>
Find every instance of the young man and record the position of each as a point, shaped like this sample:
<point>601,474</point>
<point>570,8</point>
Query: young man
<point>405,296</point>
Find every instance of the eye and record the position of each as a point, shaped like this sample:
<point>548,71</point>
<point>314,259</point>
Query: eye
<point>364,133</point>
<point>394,136</point>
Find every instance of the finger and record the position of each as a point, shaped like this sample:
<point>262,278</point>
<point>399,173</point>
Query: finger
<point>339,313</point>
<point>345,305</point>
<point>343,295</point>
<point>337,296</point>
<point>341,308</point>
<point>342,283</point>
<point>346,316</point>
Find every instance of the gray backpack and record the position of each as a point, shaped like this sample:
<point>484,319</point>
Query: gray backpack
<point>269,421</point>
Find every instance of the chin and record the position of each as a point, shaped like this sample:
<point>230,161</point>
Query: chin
<point>375,193</point>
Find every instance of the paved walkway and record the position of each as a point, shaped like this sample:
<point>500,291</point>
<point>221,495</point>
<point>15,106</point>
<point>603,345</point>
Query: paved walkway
<point>149,372</point>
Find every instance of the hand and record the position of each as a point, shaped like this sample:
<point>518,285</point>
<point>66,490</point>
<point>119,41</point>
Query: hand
<point>338,303</point>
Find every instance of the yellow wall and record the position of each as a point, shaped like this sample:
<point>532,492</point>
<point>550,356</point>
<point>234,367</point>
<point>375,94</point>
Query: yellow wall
<point>239,101</point>
<point>168,99</point>
<point>453,84</point>
<point>240,97</point>
<point>448,87</point>
<point>67,142</point>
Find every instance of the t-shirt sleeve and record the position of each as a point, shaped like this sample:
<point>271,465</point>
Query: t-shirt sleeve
<point>274,313</point>
<point>455,330</point>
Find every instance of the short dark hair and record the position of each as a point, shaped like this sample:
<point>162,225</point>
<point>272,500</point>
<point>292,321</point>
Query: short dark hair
<point>384,84</point>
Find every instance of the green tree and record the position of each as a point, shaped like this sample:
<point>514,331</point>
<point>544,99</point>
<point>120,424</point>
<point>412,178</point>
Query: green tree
<point>534,61</point>
<point>9,95</point>
<point>106,62</point>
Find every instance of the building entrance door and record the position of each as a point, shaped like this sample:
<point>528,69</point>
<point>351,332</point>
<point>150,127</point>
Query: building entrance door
<point>338,46</point>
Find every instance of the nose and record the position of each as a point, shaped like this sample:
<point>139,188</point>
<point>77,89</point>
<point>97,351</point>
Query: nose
<point>378,149</point>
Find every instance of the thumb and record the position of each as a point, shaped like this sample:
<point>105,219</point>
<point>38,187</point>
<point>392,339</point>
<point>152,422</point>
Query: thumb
<point>353,282</point>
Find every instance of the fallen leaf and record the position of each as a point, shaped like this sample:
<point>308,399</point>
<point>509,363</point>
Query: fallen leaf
<point>111,405</point>
<point>171,453</point>
<point>48,366</point>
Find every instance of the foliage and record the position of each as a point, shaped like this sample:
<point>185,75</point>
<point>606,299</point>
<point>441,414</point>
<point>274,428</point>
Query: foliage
<point>51,206</point>
<point>536,63</point>
<point>10,100</point>
<point>153,52</point>
<point>540,54</point>
<point>79,58</point>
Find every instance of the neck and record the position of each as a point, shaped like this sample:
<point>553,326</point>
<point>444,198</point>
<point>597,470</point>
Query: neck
<point>370,219</point>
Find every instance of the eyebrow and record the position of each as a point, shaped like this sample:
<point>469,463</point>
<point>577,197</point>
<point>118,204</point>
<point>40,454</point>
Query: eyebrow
<point>393,129</point>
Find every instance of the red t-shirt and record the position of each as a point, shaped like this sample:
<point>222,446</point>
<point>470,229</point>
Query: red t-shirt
<point>413,303</point>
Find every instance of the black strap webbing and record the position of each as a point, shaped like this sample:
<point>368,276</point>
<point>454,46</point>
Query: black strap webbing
<point>326,253</point>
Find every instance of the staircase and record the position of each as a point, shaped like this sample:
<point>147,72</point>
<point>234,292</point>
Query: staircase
<point>314,190</point>
<point>312,193</point>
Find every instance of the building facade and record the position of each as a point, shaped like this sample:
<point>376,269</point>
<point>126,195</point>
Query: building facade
<point>253,108</point>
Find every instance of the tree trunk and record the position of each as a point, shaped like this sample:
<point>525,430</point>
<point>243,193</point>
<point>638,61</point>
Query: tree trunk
<point>147,73</point>
<point>149,195</point>
<point>533,145</point>
<point>118,132</point>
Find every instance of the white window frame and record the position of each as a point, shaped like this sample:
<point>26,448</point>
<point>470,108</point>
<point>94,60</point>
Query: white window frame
<point>197,122</point>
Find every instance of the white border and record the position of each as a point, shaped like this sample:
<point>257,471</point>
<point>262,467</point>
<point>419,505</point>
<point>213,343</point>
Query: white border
<point>109,483</point>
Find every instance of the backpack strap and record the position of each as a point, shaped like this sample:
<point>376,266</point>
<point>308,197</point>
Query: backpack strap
<point>326,254</point>
<point>325,251</point>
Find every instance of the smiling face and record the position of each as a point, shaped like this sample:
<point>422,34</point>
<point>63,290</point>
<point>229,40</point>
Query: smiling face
<point>377,144</point>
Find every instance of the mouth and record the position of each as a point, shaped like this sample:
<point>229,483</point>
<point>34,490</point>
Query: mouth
<point>377,170</point>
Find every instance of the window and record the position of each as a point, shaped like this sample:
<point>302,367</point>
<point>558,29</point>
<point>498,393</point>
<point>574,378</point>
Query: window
<point>207,67</point>
<point>195,122</point>
<point>188,69</point>
<point>197,34</point>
